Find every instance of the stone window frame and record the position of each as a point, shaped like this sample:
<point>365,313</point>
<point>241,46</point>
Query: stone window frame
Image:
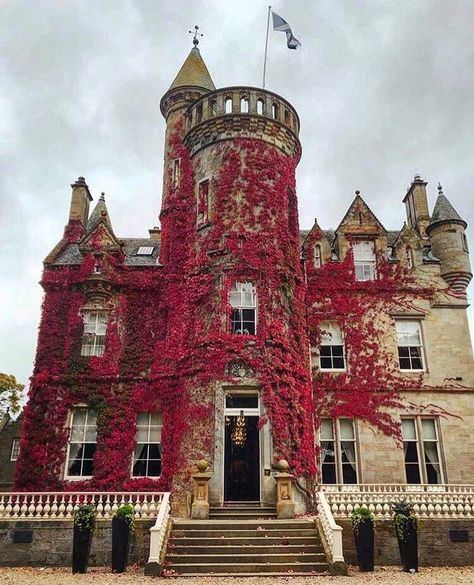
<point>149,429</point>
<point>339,451</point>
<point>239,305</point>
<point>87,409</point>
<point>420,442</point>
<point>421,346</point>
<point>15,450</point>
<point>97,333</point>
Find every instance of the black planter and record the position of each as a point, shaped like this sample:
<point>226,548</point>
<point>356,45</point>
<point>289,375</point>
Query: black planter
<point>364,542</point>
<point>81,548</point>
<point>407,538</point>
<point>120,544</point>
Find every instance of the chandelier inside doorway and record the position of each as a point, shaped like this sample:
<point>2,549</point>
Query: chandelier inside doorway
<point>239,434</point>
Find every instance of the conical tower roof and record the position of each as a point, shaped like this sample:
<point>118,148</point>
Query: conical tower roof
<point>99,214</point>
<point>193,72</point>
<point>444,212</point>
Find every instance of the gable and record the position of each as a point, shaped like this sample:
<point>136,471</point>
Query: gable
<point>360,220</point>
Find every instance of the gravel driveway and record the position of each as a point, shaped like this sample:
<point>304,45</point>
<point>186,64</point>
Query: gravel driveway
<point>382,575</point>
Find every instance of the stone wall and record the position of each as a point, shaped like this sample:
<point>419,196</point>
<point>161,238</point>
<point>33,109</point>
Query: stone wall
<point>435,547</point>
<point>52,544</point>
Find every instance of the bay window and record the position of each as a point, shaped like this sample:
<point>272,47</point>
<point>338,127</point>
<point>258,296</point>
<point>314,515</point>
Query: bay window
<point>82,443</point>
<point>147,454</point>
<point>243,300</point>
<point>421,450</point>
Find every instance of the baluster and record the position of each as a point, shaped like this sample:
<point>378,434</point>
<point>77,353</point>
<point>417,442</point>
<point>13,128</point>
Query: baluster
<point>61,506</point>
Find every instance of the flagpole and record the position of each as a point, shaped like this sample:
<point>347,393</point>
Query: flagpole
<point>266,48</point>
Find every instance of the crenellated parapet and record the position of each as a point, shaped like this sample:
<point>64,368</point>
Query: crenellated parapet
<point>242,112</point>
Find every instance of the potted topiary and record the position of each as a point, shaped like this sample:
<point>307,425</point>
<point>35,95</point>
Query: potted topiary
<point>84,524</point>
<point>406,528</point>
<point>123,524</point>
<point>363,527</point>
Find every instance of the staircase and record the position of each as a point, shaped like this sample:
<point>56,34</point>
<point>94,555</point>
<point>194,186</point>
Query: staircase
<point>246,542</point>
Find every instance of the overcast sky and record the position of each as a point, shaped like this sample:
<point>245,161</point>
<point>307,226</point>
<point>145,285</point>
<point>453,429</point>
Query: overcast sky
<point>384,90</point>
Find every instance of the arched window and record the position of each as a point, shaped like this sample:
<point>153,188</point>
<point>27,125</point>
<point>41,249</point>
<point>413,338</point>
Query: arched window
<point>243,300</point>
<point>213,108</point>
<point>287,117</point>
<point>260,107</point>
<point>228,105</point>
<point>274,111</point>
<point>409,257</point>
<point>317,256</point>
<point>244,105</point>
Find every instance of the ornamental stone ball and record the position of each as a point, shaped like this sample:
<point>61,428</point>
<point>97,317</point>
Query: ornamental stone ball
<point>202,465</point>
<point>283,465</point>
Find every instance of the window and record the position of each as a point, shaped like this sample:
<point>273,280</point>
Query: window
<point>331,351</point>
<point>364,260</point>
<point>198,113</point>
<point>409,258</point>
<point>176,172</point>
<point>15,449</point>
<point>95,328</point>
<point>317,256</point>
<point>410,347</point>
<point>338,451</point>
<point>213,107</point>
<point>465,247</point>
<point>244,105</point>
<point>243,299</point>
<point>422,452</point>
<point>203,203</point>
<point>260,107</point>
<point>145,250</point>
<point>82,443</point>
<point>147,454</point>
<point>228,105</point>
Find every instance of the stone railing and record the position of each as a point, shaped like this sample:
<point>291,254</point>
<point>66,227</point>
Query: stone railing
<point>331,532</point>
<point>158,534</point>
<point>61,505</point>
<point>429,501</point>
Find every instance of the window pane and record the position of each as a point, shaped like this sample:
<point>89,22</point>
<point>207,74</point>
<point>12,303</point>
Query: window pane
<point>328,473</point>
<point>142,435</point>
<point>141,452</point>
<point>154,451</point>
<point>75,459</point>
<point>346,428</point>
<point>326,430</point>
<point>143,418</point>
<point>241,401</point>
<point>156,419</point>
<point>411,452</point>
<point>408,429</point>
<point>77,434</point>
<point>91,434</point>
<point>363,251</point>
<point>154,468</point>
<point>87,467</point>
<point>79,418</point>
<point>349,474</point>
<point>429,429</point>
<point>413,473</point>
<point>155,434</point>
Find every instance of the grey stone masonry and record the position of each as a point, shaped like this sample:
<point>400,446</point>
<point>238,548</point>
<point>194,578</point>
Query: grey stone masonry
<point>51,544</point>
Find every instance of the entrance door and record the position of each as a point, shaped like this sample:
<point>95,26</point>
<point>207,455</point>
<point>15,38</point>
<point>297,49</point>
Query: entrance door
<point>242,448</point>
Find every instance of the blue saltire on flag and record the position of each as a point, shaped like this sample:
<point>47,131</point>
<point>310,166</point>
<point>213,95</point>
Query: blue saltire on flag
<point>280,24</point>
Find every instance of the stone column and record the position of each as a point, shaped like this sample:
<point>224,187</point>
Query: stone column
<point>200,507</point>
<point>284,486</point>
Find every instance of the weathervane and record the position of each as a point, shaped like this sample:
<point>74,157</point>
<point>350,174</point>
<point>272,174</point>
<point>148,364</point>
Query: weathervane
<point>196,35</point>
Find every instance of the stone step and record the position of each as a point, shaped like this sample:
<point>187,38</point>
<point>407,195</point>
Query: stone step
<point>243,524</point>
<point>242,541</point>
<point>230,533</point>
<point>239,568</point>
<point>230,549</point>
<point>247,515</point>
<point>239,558</point>
<point>287,574</point>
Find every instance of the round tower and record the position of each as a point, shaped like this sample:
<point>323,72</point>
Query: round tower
<point>446,231</point>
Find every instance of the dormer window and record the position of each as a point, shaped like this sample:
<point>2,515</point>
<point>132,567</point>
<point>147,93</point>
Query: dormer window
<point>317,256</point>
<point>364,260</point>
<point>95,329</point>
<point>243,299</point>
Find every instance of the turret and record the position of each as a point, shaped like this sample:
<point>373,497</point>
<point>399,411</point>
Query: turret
<point>416,204</point>
<point>446,231</point>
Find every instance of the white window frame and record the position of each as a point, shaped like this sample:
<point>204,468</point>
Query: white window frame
<point>87,411</point>
<point>203,218</point>
<point>240,291</point>
<point>420,346</point>
<point>338,450</point>
<point>421,448</point>
<point>15,450</point>
<point>95,331</point>
<point>148,442</point>
<point>332,328</point>
<point>176,172</point>
<point>365,266</point>
<point>317,256</point>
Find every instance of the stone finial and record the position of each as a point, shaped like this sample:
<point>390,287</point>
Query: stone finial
<point>440,189</point>
<point>357,192</point>
<point>102,196</point>
<point>202,465</point>
<point>283,465</point>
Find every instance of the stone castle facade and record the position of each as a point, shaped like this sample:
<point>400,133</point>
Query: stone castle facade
<point>231,335</point>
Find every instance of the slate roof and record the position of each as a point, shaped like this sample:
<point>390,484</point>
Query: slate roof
<point>194,73</point>
<point>72,255</point>
<point>444,211</point>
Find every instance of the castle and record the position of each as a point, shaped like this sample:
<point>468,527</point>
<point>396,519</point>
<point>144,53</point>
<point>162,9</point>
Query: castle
<point>230,335</point>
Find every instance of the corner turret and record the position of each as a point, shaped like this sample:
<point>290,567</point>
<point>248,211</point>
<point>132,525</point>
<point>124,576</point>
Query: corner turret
<point>446,231</point>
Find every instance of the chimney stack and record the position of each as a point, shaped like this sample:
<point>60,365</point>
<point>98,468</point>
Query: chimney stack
<point>80,200</point>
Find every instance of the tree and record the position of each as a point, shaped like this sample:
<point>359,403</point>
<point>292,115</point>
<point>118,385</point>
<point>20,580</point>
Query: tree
<point>10,394</point>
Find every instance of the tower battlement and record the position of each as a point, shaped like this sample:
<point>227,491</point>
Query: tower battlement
<point>242,112</point>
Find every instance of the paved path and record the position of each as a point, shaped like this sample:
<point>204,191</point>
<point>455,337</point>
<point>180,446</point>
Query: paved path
<point>382,576</point>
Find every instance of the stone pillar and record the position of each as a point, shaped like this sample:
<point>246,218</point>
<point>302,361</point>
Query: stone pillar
<point>200,507</point>
<point>284,487</point>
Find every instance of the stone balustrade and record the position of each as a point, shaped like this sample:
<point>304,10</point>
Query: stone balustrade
<point>61,505</point>
<point>331,532</point>
<point>429,501</point>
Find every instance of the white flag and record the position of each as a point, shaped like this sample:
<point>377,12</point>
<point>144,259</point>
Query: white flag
<point>280,24</point>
